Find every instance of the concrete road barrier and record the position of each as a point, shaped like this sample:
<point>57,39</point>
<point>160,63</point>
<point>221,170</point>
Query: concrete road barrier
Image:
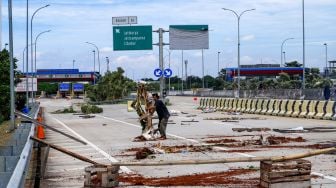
<point>264,107</point>
<point>297,108</point>
<point>283,106</point>
<point>253,106</point>
<point>248,105</point>
<point>304,110</point>
<point>270,107</point>
<point>320,110</point>
<point>236,104</point>
<point>223,104</point>
<point>330,110</point>
<point>243,105</point>
<point>259,106</point>
<point>312,109</point>
<point>290,108</point>
<point>276,110</point>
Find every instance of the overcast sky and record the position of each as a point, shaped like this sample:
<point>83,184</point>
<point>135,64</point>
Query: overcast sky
<point>73,22</point>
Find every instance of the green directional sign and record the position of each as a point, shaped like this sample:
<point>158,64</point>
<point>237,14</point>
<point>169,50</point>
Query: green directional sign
<point>132,38</point>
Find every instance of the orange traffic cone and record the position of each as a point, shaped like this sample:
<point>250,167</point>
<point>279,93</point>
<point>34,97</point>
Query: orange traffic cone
<point>40,129</point>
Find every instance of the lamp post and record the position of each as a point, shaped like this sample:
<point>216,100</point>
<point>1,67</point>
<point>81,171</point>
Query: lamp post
<point>326,56</point>
<point>37,37</point>
<point>94,67</point>
<point>26,73</point>
<point>107,64</point>
<point>218,64</point>
<point>282,49</point>
<point>73,64</point>
<point>169,52</point>
<point>284,56</point>
<point>6,44</point>
<point>11,59</point>
<point>97,54</point>
<point>31,48</point>
<point>238,18</point>
<point>303,47</point>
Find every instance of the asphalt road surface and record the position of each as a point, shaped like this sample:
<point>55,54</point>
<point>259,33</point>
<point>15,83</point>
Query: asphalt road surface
<point>110,138</point>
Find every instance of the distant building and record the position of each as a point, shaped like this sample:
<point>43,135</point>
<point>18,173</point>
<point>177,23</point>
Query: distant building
<point>332,69</point>
<point>65,75</point>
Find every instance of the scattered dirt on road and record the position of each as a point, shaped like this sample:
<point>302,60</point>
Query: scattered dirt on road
<point>274,140</point>
<point>227,178</point>
<point>221,141</point>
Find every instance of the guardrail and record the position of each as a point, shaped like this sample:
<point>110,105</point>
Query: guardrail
<point>19,151</point>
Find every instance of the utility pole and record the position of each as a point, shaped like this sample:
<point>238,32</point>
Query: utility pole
<point>186,74</point>
<point>203,69</point>
<point>161,63</point>
<point>12,96</point>
<point>182,74</point>
<point>303,47</point>
<point>218,65</point>
<point>107,64</point>
<point>326,56</point>
<point>94,67</point>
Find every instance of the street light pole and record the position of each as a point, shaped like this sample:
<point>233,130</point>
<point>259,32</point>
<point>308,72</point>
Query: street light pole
<point>282,49</point>
<point>107,64</point>
<point>284,54</point>
<point>38,36</point>
<point>303,47</point>
<point>12,95</point>
<point>238,18</point>
<point>73,64</point>
<point>94,67</point>
<point>218,64</point>
<point>31,48</point>
<point>326,56</point>
<point>97,54</point>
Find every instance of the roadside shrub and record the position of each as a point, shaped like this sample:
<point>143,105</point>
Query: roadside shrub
<point>65,111</point>
<point>91,109</point>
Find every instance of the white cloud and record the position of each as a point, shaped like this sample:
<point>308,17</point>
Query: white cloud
<point>247,37</point>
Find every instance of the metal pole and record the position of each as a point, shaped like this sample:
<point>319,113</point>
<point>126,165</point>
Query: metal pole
<point>31,42</point>
<point>186,74</point>
<point>73,64</point>
<point>281,64</point>
<point>182,74</point>
<point>203,69</point>
<point>94,67</point>
<point>304,47</point>
<point>27,41</point>
<point>107,64</point>
<point>169,76</point>
<point>161,60</point>
<point>97,52</point>
<point>238,17</point>
<point>35,49</point>
<point>218,65</point>
<point>12,97</point>
<point>284,54</point>
<point>326,52</point>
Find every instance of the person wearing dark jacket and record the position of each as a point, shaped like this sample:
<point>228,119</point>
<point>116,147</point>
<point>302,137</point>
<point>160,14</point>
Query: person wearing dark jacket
<point>163,115</point>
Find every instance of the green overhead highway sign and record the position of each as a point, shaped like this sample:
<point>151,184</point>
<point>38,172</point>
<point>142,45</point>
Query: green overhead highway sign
<point>132,38</point>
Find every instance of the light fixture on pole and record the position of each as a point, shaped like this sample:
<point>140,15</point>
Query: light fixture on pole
<point>31,48</point>
<point>107,64</point>
<point>326,56</point>
<point>38,36</point>
<point>218,72</point>
<point>94,67</point>
<point>238,18</point>
<point>97,54</point>
<point>282,49</point>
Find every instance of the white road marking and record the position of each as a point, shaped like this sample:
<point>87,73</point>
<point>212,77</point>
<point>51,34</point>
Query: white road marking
<point>109,157</point>
<point>221,148</point>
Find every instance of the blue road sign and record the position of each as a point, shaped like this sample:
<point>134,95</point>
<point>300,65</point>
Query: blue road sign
<point>158,72</point>
<point>64,87</point>
<point>78,87</point>
<point>167,73</point>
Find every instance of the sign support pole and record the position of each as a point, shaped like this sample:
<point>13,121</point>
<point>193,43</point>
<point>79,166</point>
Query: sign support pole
<point>161,63</point>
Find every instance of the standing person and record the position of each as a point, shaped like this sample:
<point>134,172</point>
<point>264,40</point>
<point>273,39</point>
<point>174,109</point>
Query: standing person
<point>163,114</point>
<point>326,92</point>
